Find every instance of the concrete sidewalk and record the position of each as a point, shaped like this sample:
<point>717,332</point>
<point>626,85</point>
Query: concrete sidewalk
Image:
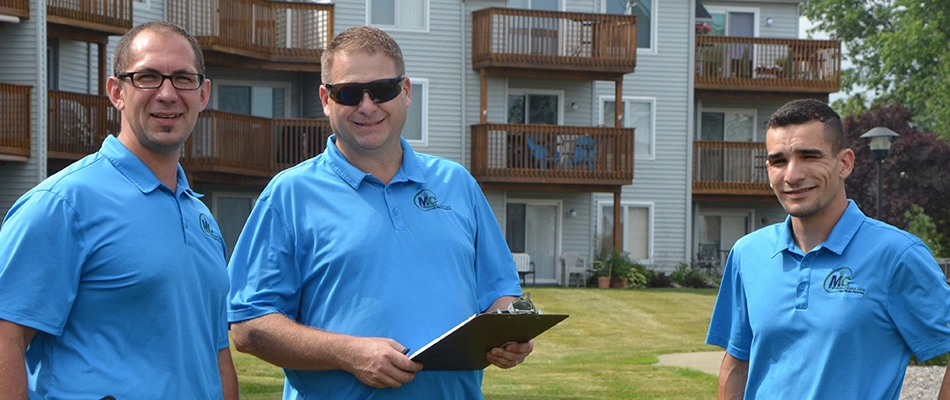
<point>705,361</point>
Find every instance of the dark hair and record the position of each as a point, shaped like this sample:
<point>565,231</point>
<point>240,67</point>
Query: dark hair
<point>797,112</point>
<point>361,39</point>
<point>122,56</point>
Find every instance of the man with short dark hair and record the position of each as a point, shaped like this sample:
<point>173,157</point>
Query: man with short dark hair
<point>112,274</point>
<point>829,303</point>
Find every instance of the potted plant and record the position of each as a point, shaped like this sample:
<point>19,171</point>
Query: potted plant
<point>621,270</point>
<point>602,273</point>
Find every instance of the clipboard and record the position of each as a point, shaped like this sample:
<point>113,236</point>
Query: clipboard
<point>464,346</point>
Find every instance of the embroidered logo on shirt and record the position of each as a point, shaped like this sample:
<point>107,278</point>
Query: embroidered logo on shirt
<point>207,227</point>
<point>427,201</point>
<point>839,281</point>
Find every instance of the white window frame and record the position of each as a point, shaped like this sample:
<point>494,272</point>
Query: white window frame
<point>395,26</point>
<point>520,91</point>
<point>288,110</point>
<point>625,205</point>
<point>419,96</point>
<point>652,50</point>
<point>755,120</point>
<point>652,101</point>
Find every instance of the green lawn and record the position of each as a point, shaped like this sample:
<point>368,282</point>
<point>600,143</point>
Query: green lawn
<point>605,350</point>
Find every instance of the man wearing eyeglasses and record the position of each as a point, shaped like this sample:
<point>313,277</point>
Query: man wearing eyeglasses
<point>112,274</point>
<point>368,249</point>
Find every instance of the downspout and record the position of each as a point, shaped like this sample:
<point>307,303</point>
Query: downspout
<point>690,132</point>
<point>462,144</point>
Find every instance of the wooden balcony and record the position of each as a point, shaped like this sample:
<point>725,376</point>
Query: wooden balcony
<point>89,20</point>
<point>14,122</point>
<point>228,147</point>
<point>566,45</point>
<point>78,123</point>
<point>729,169</point>
<point>743,64</point>
<point>257,34</point>
<point>552,157</point>
<point>16,8</point>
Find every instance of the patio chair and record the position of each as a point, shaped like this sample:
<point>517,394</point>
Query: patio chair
<point>541,154</point>
<point>572,264</point>
<point>584,152</point>
<point>707,259</point>
<point>525,266</point>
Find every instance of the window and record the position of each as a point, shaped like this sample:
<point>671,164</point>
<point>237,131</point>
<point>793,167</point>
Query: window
<point>416,128</point>
<point>52,64</point>
<point>534,107</point>
<point>542,5</point>
<point>258,99</point>
<point>637,229</point>
<point>637,114</point>
<point>643,9</point>
<point>728,125</point>
<point>402,14</point>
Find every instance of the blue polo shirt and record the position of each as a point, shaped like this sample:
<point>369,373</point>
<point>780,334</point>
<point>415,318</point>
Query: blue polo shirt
<point>841,320</point>
<point>124,280</point>
<point>333,248</point>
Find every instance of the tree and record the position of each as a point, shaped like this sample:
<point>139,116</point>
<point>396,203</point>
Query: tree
<point>914,171</point>
<point>898,52</point>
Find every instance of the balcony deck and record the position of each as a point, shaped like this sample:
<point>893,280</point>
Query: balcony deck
<point>90,20</point>
<point>567,45</point>
<point>14,122</point>
<point>552,157</point>
<point>743,64</point>
<point>16,8</point>
<point>257,34</point>
<point>727,169</point>
<point>78,123</point>
<point>227,146</point>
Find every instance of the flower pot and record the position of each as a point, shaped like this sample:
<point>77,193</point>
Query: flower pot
<point>621,283</point>
<point>603,282</point>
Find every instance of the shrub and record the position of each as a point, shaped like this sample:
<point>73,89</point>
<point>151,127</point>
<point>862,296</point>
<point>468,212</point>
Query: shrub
<point>686,276</point>
<point>657,279</point>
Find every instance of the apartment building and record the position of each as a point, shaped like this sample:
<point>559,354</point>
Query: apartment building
<point>571,114</point>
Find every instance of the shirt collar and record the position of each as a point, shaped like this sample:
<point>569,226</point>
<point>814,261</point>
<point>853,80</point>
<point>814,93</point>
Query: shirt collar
<point>135,171</point>
<point>410,170</point>
<point>844,230</point>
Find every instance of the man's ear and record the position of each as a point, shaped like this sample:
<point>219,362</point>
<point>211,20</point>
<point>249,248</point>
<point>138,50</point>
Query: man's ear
<point>846,158</point>
<point>114,89</point>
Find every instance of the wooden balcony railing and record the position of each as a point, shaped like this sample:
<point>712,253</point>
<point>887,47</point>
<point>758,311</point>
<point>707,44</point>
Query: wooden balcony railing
<point>730,168</point>
<point>16,8</point>
<point>759,64</point>
<point>108,16</point>
<point>14,122</point>
<point>565,41</point>
<point>241,144</point>
<point>552,154</point>
<point>278,31</point>
<point>78,123</point>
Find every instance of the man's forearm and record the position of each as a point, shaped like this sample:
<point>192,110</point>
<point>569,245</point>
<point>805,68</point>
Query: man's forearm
<point>733,374</point>
<point>283,342</point>
<point>945,386</point>
<point>229,382</point>
<point>14,340</point>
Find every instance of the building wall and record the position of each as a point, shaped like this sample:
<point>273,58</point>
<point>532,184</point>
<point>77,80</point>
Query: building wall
<point>23,46</point>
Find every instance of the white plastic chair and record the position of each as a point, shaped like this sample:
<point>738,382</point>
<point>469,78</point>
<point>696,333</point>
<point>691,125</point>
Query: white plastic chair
<point>524,265</point>
<point>573,264</point>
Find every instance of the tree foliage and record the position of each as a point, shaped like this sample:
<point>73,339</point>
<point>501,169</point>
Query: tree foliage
<point>914,172</point>
<point>898,52</point>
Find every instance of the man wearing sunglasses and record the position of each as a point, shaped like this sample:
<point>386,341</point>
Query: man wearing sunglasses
<point>368,249</point>
<point>112,273</point>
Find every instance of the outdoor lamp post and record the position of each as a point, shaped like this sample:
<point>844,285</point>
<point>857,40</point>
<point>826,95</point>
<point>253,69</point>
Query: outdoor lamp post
<point>880,143</point>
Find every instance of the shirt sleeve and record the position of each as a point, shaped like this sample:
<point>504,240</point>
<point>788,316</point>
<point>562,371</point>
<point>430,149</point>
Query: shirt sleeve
<point>919,303</point>
<point>729,326</point>
<point>41,262</point>
<point>494,266</point>
<point>264,277</point>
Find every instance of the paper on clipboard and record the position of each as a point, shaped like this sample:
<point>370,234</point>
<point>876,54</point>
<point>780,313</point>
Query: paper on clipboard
<point>464,346</point>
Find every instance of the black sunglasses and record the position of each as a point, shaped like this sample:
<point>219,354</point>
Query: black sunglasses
<point>351,94</point>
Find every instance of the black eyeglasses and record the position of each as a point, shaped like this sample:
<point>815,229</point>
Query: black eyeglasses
<point>154,80</point>
<point>351,94</point>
